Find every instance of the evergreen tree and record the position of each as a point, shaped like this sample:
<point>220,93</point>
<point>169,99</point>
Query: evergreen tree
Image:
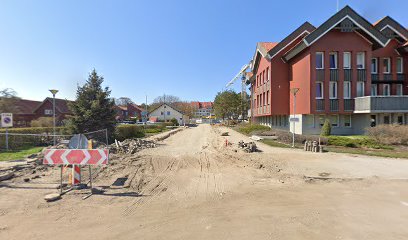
<point>326,129</point>
<point>93,109</point>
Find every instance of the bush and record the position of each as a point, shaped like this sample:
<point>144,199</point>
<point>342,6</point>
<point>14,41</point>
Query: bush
<point>356,142</point>
<point>247,128</point>
<point>174,122</point>
<point>43,122</point>
<point>123,132</point>
<point>326,129</point>
<point>389,134</point>
<point>18,141</point>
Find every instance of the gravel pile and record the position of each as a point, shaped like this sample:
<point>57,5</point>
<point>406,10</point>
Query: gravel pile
<point>131,146</point>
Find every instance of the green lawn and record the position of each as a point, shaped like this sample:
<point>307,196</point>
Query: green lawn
<point>391,153</point>
<point>18,154</point>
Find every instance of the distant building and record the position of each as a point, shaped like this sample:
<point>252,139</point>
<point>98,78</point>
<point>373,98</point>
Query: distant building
<point>28,110</point>
<point>130,111</point>
<point>202,109</point>
<point>165,112</point>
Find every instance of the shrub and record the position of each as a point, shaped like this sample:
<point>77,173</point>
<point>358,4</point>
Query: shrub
<point>41,138</point>
<point>356,142</point>
<point>326,129</point>
<point>43,122</point>
<point>123,132</point>
<point>174,122</point>
<point>246,128</point>
<point>389,134</point>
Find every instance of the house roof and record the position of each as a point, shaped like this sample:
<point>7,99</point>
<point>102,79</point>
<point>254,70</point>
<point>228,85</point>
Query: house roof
<point>166,105</point>
<point>137,107</point>
<point>60,104</point>
<point>121,107</point>
<point>390,23</point>
<point>348,16</point>
<point>23,106</point>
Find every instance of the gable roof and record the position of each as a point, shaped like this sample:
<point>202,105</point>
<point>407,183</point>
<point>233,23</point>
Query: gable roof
<point>168,106</point>
<point>261,50</point>
<point>347,13</point>
<point>23,106</point>
<point>136,106</point>
<point>388,22</point>
<point>60,104</point>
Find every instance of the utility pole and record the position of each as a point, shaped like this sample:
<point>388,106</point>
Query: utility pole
<point>294,91</point>
<point>54,92</point>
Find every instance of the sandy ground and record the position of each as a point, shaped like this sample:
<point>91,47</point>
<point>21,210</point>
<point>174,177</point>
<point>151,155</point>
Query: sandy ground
<point>194,187</point>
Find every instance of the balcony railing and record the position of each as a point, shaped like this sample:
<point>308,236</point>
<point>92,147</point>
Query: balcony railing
<point>381,104</point>
<point>387,77</point>
<point>334,105</point>
<point>319,104</point>
<point>348,104</point>
<point>320,75</point>
<point>347,75</point>
<point>334,75</point>
<point>400,77</point>
<point>361,75</point>
<point>375,77</point>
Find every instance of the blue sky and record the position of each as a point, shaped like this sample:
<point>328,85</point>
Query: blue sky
<point>190,49</point>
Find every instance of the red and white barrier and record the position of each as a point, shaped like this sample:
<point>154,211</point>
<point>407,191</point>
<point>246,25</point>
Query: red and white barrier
<point>76,156</point>
<point>76,174</point>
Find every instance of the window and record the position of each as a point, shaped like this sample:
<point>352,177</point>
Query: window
<point>48,112</point>
<point>360,60</point>
<point>268,74</point>
<point>264,103</point>
<point>334,120</point>
<point>333,90</point>
<point>347,120</point>
<point>346,60</point>
<point>374,65</point>
<point>386,90</point>
<point>399,90</point>
<point>400,119</point>
<point>319,60</point>
<point>400,65</point>
<point>333,60</point>
<point>267,97</point>
<point>386,119</point>
<point>386,65</point>
<point>161,113</point>
<point>263,76</point>
<point>319,90</point>
<point>374,89</point>
<point>168,113</point>
<point>321,120</point>
<point>347,90</point>
<point>360,88</point>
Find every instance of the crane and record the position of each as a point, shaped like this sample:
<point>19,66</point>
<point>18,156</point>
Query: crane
<point>241,74</point>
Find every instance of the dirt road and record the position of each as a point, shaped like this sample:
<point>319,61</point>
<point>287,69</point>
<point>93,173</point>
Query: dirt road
<point>194,187</point>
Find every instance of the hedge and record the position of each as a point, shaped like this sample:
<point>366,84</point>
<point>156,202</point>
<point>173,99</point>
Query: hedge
<point>41,139</point>
<point>123,132</point>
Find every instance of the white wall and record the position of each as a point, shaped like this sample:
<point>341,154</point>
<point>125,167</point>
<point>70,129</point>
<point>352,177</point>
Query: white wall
<point>166,108</point>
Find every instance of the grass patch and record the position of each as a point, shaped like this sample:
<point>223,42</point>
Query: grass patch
<point>356,142</point>
<point>274,143</point>
<point>396,153</point>
<point>248,128</point>
<point>19,154</point>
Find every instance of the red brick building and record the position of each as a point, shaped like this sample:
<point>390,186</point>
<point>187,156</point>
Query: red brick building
<point>347,70</point>
<point>130,111</point>
<point>28,110</point>
<point>202,109</point>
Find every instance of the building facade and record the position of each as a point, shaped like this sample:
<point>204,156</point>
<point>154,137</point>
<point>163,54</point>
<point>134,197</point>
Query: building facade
<point>347,70</point>
<point>129,111</point>
<point>202,109</point>
<point>165,112</point>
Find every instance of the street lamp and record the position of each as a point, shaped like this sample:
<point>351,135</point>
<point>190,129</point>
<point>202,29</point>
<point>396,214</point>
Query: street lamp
<point>53,91</point>
<point>294,91</point>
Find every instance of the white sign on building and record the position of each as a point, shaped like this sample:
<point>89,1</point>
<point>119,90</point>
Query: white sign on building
<point>6,120</point>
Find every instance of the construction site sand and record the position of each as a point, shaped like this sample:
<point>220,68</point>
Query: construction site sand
<point>192,186</point>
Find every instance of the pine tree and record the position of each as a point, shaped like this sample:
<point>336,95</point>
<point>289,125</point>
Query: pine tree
<point>326,129</point>
<point>93,109</point>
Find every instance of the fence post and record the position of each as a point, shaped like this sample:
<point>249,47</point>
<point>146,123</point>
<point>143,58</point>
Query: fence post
<point>7,145</point>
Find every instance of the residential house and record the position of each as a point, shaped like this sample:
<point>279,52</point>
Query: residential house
<point>347,70</point>
<point>127,112</point>
<point>202,109</point>
<point>165,112</point>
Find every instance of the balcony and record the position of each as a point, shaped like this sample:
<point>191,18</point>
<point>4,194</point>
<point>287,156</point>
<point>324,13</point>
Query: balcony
<point>375,77</point>
<point>347,75</point>
<point>334,105</point>
<point>320,75</point>
<point>387,77</point>
<point>361,75</point>
<point>400,77</point>
<point>334,75</point>
<point>348,105</point>
<point>381,104</point>
<point>319,105</point>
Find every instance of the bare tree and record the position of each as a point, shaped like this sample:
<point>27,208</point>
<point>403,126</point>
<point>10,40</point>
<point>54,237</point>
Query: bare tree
<point>8,97</point>
<point>169,99</point>
<point>123,101</point>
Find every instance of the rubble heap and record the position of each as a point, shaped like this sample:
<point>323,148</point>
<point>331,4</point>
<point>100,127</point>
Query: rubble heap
<point>247,147</point>
<point>131,146</point>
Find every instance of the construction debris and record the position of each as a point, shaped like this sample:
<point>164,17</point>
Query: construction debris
<point>247,147</point>
<point>225,134</point>
<point>131,146</point>
<point>312,146</point>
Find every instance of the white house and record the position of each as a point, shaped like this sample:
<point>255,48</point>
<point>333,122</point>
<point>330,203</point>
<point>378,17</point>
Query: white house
<point>165,113</point>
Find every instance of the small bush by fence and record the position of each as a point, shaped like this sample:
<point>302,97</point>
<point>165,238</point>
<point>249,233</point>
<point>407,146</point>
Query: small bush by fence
<point>389,134</point>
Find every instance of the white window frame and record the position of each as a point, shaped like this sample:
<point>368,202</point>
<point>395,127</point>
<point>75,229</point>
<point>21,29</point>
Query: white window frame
<point>331,85</point>
<point>344,122</point>
<point>376,90</point>
<point>363,63</point>
<point>388,65</point>
<point>322,90</point>
<point>344,60</point>
<point>268,74</point>
<point>320,53</point>
<point>400,64</point>
<point>389,90</point>
<point>335,60</point>
<point>363,87</point>
<point>349,90</point>
<point>48,112</point>
<point>400,90</point>
<point>376,65</point>
<point>338,119</point>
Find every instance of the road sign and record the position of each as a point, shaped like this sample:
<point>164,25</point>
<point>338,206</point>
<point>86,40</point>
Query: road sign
<point>76,156</point>
<point>294,119</point>
<point>6,120</point>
